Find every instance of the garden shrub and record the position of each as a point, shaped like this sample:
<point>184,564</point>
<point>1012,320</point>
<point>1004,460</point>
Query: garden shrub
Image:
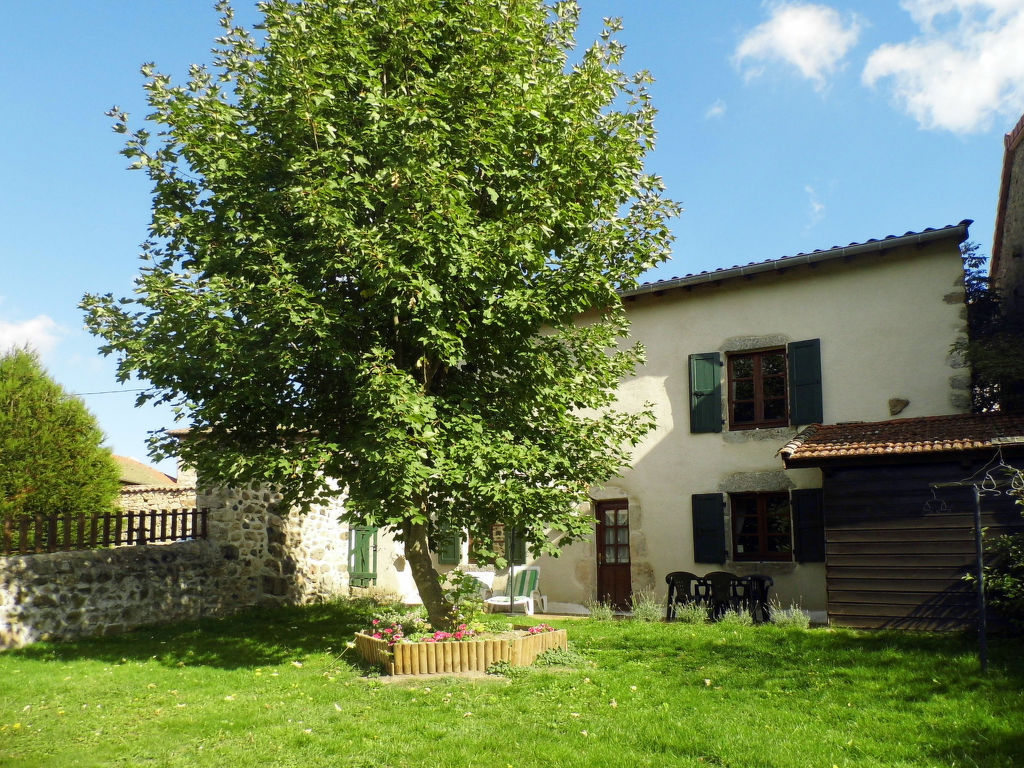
<point>600,611</point>
<point>739,618</point>
<point>794,616</point>
<point>1004,578</point>
<point>646,607</point>
<point>691,613</point>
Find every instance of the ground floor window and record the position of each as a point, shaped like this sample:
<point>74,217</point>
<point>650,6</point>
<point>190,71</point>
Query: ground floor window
<point>762,527</point>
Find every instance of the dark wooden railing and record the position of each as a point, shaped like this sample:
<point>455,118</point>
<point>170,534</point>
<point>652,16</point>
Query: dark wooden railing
<point>63,531</point>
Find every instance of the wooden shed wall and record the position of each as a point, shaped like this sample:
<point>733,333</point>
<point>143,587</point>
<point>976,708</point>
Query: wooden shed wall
<point>893,559</point>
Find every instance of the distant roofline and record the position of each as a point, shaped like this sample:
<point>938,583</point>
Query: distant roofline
<point>1011,141</point>
<point>956,232</point>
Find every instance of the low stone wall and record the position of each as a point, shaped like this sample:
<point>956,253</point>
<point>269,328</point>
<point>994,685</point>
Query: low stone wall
<point>143,498</point>
<point>256,552</point>
<point>65,595</point>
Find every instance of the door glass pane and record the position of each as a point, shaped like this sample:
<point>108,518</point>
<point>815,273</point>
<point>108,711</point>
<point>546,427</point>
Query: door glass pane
<point>609,554</point>
<point>623,517</point>
<point>609,517</point>
<point>623,554</point>
<point>623,536</point>
<point>609,535</point>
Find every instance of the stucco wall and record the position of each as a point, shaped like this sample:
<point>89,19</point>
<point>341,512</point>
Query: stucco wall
<point>885,323</point>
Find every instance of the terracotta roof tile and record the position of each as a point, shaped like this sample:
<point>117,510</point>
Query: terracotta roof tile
<point>930,434</point>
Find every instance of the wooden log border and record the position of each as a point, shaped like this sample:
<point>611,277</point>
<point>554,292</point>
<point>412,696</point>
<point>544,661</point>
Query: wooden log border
<point>452,658</point>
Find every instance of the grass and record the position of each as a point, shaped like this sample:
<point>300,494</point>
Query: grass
<point>268,688</point>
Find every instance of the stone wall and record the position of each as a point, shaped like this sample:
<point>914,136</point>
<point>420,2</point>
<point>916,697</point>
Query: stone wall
<point>142,498</point>
<point>65,595</point>
<point>256,552</point>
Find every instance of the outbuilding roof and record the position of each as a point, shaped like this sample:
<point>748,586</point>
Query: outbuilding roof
<point>956,232</point>
<point>824,443</point>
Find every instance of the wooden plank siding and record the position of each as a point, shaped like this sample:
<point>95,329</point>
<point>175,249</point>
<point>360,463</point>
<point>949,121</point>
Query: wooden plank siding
<point>894,560</point>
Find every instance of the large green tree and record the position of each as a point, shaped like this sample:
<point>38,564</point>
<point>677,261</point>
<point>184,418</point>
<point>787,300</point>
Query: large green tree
<point>51,457</point>
<point>375,225</point>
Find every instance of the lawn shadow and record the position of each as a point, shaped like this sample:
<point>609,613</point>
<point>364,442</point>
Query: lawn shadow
<point>251,638</point>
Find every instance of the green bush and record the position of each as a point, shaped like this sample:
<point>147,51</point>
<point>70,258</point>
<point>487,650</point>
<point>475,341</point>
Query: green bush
<point>1004,577</point>
<point>51,453</point>
<point>736,619</point>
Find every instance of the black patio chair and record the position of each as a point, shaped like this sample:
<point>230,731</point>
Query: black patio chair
<point>723,593</point>
<point>683,587</point>
<point>754,597</point>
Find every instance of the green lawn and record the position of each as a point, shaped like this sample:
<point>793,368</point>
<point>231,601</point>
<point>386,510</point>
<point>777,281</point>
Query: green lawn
<point>268,689</point>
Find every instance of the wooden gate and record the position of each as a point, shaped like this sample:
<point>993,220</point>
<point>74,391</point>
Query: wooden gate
<point>613,571</point>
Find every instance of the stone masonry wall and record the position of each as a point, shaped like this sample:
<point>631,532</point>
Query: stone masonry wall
<point>293,557</point>
<point>256,552</point>
<point>142,498</point>
<point>65,595</point>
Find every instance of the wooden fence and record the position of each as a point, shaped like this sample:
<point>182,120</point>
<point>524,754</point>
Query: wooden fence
<point>67,531</point>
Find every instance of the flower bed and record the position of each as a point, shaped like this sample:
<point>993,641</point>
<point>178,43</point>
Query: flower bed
<point>455,656</point>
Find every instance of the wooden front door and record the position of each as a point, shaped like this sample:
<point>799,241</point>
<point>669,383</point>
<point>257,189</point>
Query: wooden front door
<point>613,576</point>
<point>362,560</point>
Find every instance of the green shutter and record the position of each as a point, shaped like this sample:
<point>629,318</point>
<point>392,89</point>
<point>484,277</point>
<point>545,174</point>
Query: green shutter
<point>709,528</point>
<point>805,382</point>
<point>808,525</point>
<point>706,392</point>
<point>517,547</point>
<point>449,548</point>
<point>362,558</point>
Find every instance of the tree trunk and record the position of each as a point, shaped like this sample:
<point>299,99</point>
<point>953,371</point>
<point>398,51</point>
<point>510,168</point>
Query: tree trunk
<point>417,552</point>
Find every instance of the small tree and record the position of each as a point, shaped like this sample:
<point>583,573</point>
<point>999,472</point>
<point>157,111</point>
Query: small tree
<point>373,230</point>
<point>994,341</point>
<point>51,457</point>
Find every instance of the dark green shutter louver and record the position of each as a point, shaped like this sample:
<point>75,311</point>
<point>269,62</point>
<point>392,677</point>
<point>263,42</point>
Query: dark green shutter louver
<point>808,525</point>
<point>709,528</point>
<point>706,392</point>
<point>517,548</point>
<point>449,548</point>
<point>805,382</point>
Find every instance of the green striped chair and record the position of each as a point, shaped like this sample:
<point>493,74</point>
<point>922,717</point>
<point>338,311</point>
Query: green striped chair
<point>525,592</point>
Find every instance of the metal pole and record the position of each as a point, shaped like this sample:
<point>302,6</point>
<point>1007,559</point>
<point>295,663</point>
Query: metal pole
<point>509,552</point>
<point>980,555</point>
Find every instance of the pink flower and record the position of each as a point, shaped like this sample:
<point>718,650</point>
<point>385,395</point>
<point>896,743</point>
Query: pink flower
<point>377,635</point>
<point>375,622</point>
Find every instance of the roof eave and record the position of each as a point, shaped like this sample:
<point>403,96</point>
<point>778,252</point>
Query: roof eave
<point>956,232</point>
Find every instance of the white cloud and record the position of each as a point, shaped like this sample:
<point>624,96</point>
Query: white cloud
<point>966,67</point>
<point>715,110</point>
<point>817,208</point>
<point>812,38</point>
<point>41,333</point>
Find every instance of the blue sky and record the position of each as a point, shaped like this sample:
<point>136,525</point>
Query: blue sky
<point>783,128</point>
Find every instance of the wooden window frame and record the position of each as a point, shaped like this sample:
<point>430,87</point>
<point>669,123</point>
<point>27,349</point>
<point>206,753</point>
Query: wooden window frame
<point>758,379</point>
<point>763,533</point>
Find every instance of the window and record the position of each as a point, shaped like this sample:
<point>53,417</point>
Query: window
<point>761,526</point>
<point>766,388</point>
<point>757,389</point>
<point>765,526</point>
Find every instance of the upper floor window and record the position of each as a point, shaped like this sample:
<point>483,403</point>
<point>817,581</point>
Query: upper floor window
<point>767,388</point>
<point>757,389</point>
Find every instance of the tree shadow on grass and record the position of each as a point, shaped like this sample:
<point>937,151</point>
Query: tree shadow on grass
<point>252,638</point>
